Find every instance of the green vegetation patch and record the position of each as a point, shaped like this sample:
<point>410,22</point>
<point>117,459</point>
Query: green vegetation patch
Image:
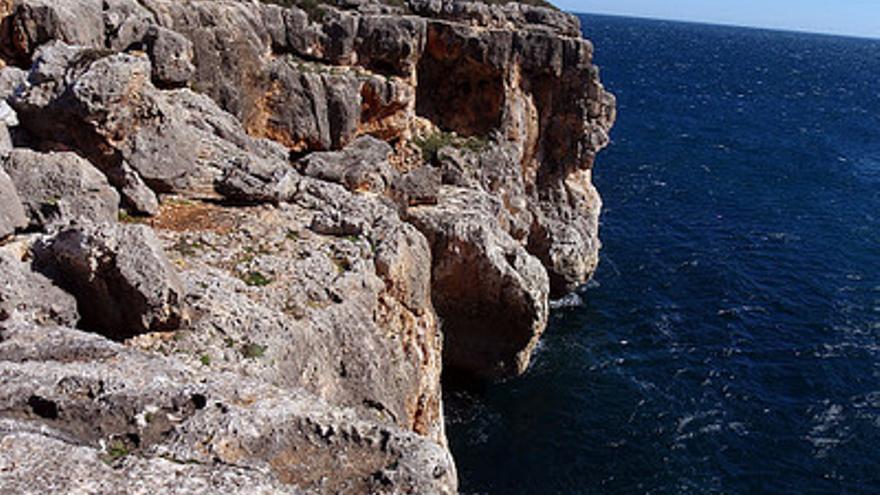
<point>253,351</point>
<point>433,143</point>
<point>116,450</point>
<point>256,279</point>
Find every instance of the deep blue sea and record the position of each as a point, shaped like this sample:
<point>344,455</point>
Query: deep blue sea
<point>730,342</point>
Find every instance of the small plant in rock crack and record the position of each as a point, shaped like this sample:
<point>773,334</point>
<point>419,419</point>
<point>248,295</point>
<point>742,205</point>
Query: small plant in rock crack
<point>116,450</point>
<point>253,351</point>
<point>205,360</point>
<point>256,279</point>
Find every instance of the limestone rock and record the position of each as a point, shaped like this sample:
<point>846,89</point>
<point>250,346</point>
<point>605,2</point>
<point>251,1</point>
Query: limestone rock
<point>418,187</point>
<point>29,456</point>
<point>12,214</point>
<point>329,176</point>
<point>35,22</point>
<point>490,294</point>
<point>78,392</point>
<point>171,54</point>
<point>361,166</point>
<point>60,188</point>
<point>120,275</point>
<point>104,105</point>
<point>29,296</point>
<point>331,288</point>
<point>145,140</point>
<point>390,44</point>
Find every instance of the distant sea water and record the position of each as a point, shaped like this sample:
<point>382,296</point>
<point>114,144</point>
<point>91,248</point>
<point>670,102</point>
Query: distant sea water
<point>730,342</point>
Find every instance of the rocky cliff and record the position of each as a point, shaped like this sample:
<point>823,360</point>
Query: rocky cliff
<point>241,240</point>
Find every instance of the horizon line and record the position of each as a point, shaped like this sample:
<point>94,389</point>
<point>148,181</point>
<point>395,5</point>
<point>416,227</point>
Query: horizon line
<point>776,29</point>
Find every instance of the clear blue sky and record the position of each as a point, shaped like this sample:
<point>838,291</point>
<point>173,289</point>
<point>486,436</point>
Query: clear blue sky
<point>851,17</point>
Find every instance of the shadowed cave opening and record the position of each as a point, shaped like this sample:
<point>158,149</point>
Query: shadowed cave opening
<point>459,94</point>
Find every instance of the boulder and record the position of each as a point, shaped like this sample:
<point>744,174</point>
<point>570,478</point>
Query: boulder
<point>418,187</point>
<point>60,188</point>
<point>145,140</point>
<point>120,276</point>
<point>361,166</point>
<point>35,22</point>
<point>26,295</point>
<point>491,295</point>
<point>171,54</point>
<point>103,105</point>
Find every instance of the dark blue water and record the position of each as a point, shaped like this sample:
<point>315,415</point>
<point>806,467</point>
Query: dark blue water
<point>731,340</point>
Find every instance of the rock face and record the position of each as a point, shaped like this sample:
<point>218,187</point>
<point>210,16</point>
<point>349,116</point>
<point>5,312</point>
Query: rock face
<point>123,281</point>
<point>31,297</point>
<point>493,292</point>
<point>12,214</point>
<point>241,240</point>
<point>166,422</point>
<point>60,188</point>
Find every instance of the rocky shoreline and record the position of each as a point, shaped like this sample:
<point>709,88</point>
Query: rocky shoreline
<point>242,240</point>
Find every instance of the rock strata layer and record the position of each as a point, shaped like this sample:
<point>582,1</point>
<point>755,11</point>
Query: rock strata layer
<point>240,241</point>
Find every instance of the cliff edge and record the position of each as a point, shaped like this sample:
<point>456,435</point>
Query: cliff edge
<point>241,240</point>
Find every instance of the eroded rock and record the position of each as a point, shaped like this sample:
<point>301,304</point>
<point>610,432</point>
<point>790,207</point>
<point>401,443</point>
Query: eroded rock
<point>29,296</point>
<point>12,214</point>
<point>60,188</point>
<point>77,392</point>
<point>334,175</point>
<point>332,289</point>
<point>490,294</point>
<point>123,281</point>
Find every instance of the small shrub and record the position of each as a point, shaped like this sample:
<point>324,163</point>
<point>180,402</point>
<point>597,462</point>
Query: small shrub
<point>205,360</point>
<point>433,143</point>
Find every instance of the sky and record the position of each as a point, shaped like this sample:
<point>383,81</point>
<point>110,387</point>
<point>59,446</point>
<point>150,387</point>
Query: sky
<point>847,17</point>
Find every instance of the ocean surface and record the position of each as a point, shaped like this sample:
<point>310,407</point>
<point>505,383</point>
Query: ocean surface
<point>730,342</point>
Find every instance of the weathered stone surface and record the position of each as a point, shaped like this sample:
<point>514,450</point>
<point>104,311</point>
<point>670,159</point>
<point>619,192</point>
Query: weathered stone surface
<point>10,78</point>
<point>145,140</point>
<point>152,418</point>
<point>12,214</point>
<point>60,188</point>
<point>418,187</point>
<point>362,166</point>
<point>332,288</point>
<point>104,105</point>
<point>171,54</point>
<point>490,294</point>
<point>29,457</point>
<point>390,44</point>
<point>120,275</point>
<point>29,296</point>
<point>35,22</point>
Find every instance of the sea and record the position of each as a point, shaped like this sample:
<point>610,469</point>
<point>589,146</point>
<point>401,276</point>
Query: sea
<point>730,341</point>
